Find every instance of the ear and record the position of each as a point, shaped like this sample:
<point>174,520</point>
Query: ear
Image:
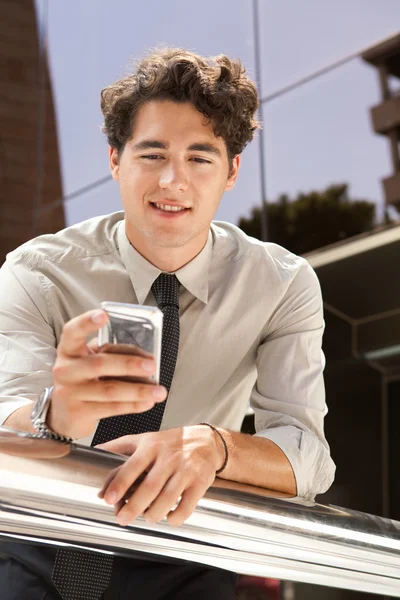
<point>114,162</point>
<point>233,174</point>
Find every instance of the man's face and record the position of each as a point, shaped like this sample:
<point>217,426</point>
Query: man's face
<point>173,160</point>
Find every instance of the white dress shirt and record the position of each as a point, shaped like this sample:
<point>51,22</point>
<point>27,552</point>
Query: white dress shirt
<point>251,324</point>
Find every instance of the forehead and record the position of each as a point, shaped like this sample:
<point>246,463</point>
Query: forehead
<point>173,122</point>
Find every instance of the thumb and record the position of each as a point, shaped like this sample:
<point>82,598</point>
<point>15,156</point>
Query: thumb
<point>93,346</point>
<point>125,445</point>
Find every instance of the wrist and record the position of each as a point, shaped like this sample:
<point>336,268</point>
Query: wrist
<point>40,417</point>
<point>222,448</point>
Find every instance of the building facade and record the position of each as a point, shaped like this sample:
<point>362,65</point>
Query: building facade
<point>30,180</point>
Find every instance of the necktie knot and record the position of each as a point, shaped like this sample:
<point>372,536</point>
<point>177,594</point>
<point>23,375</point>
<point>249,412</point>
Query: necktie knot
<point>166,290</point>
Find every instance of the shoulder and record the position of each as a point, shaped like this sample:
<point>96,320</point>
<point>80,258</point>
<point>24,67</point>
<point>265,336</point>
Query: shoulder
<point>265,258</point>
<point>93,237</point>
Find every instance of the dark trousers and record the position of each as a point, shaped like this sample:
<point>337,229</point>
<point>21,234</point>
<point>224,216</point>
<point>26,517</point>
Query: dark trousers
<point>22,579</point>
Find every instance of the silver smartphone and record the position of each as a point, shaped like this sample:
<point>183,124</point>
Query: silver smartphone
<point>133,329</point>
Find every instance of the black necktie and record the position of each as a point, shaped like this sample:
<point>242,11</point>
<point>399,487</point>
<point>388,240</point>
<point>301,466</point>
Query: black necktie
<point>79,575</point>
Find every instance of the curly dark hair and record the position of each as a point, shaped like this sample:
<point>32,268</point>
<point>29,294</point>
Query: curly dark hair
<point>218,87</point>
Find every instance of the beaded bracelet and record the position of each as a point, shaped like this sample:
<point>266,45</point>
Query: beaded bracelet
<point>225,446</point>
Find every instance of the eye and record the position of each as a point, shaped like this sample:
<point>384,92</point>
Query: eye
<point>201,161</point>
<point>151,156</point>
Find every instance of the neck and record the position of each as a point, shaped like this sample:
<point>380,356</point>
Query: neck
<point>169,259</point>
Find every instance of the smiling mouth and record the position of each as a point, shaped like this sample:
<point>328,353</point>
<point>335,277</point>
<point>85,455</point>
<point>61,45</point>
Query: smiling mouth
<point>168,209</point>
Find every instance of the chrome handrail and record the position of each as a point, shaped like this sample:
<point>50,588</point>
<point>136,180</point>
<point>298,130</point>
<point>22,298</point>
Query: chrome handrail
<point>48,494</point>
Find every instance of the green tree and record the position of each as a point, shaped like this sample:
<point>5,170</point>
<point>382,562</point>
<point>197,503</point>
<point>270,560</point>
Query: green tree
<point>312,220</point>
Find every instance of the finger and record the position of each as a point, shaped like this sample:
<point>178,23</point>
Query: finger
<point>127,475</point>
<point>146,493</point>
<point>120,503</point>
<point>167,499</point>
<point>124,445</point>
<point>125,498</point>
<point>186,506</point>
<point>109,478</point>
<point>103,410</point>
<point>94,411</point>
<point>111,390</point>
<point>112,476</point>
<point>93,346</point>
<point>96,365</point>
<point>75,332</point>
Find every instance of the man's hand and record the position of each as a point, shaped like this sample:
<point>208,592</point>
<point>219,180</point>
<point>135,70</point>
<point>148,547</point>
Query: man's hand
<point>177,463</point>
<point>80,398</point>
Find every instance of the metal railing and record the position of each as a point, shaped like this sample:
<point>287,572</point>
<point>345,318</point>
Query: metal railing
<point>48,494</point>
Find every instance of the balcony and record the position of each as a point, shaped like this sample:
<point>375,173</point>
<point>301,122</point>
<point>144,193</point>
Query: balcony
<point>388,53</point>
<point>386,116</point>
<point>391,186</point>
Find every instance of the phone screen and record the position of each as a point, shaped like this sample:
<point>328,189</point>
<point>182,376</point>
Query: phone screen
<point>133,335</point>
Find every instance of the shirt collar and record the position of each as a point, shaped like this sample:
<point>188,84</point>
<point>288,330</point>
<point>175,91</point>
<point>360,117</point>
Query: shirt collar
<point>193,276</point>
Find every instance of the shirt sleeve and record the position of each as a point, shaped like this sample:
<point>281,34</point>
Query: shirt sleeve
<point>288,398</point>
<point>27,341</point>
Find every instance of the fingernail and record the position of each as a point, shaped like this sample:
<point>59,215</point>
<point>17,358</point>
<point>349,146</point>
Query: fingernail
<point>111,498</point>
<point>148,366</point>
<point>98,316</point>
<point>160,393</point>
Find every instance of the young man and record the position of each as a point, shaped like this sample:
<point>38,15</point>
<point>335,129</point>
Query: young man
<point>250,321</point>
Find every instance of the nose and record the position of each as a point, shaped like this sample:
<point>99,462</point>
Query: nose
<point>174,177</point>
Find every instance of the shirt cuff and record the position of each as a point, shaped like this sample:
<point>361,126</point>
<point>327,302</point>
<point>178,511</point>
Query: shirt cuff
<point>9,404</point>
<point>312,465</point>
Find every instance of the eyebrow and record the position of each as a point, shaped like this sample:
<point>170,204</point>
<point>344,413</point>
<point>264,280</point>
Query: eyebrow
<point>199,147</point>
<point>148,144</point>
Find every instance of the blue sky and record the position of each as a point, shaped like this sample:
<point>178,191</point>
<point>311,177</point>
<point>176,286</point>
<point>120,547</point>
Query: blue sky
<point>316,135</point>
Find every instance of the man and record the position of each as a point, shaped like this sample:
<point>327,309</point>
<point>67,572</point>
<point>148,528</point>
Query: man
<point>250,319</point>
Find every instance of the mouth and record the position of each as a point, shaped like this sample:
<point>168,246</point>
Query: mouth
<point>169,210</point>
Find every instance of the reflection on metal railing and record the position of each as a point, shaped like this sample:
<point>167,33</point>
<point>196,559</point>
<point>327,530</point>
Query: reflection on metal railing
<point>48,494</point>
